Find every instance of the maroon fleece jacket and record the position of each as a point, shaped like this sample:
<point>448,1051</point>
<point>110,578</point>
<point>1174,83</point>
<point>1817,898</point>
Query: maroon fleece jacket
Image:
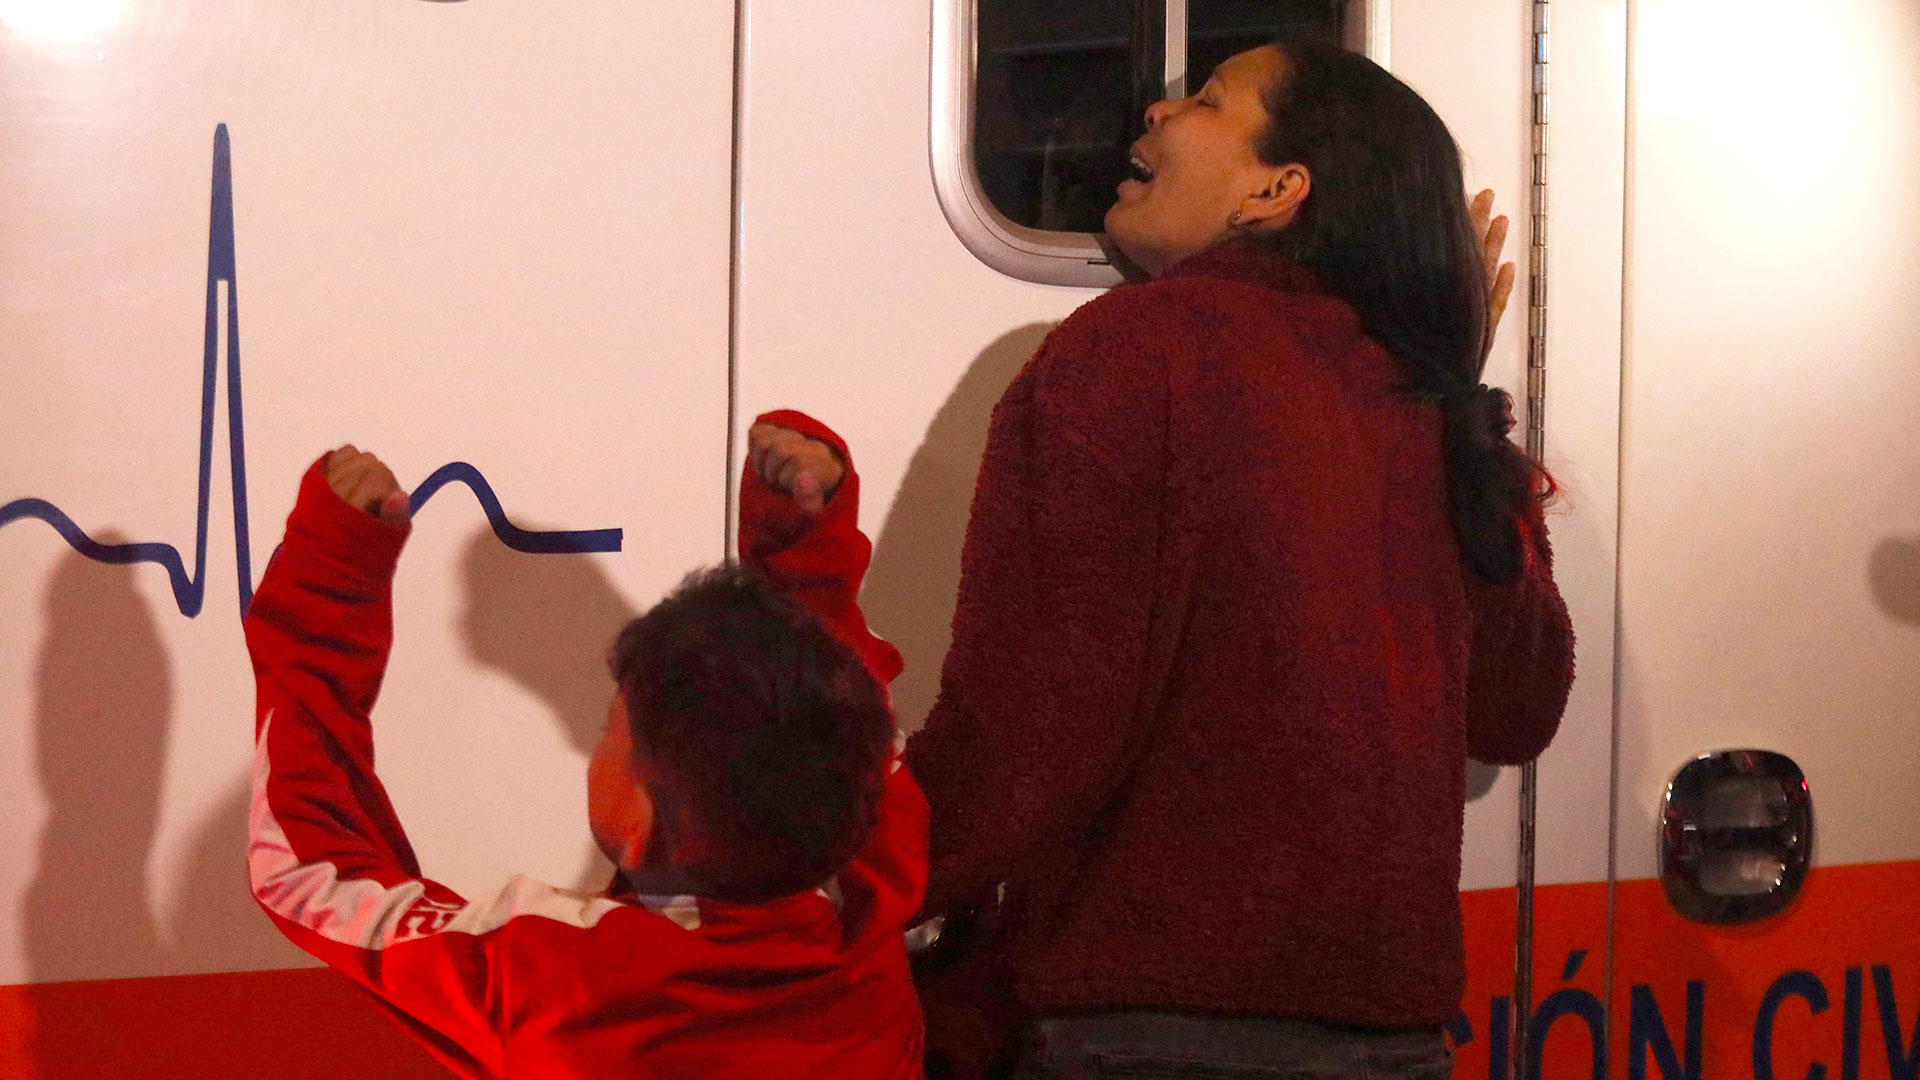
<point>1217,665</point>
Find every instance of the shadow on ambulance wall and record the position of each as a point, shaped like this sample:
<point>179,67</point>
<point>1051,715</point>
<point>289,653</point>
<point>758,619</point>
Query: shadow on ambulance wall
<point>1480,778</point>
<point>216,926</point>
<point>910,588</point>
<point>103,713</point>
<point>546,623</point>
<point>1893,572</point>
<point>102,709</point>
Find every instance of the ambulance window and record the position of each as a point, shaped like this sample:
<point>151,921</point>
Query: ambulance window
<point>1057,96</point>
<point>1036,104</point>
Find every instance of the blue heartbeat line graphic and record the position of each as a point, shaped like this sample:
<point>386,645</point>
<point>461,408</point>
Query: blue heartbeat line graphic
<point>190,592</point>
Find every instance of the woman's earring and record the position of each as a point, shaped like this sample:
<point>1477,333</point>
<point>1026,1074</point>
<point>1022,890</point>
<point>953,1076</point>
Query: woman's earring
<point>1235,219</point>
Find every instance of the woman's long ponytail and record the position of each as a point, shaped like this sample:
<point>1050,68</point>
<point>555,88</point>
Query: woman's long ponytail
<point>1387,228</point>
<point>1490,480</point>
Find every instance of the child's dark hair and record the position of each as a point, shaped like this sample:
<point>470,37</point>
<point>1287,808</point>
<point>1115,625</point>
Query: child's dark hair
<point>766,732</point>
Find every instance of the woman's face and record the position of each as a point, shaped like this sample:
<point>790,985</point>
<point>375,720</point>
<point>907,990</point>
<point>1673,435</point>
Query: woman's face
<point>1196,166</point>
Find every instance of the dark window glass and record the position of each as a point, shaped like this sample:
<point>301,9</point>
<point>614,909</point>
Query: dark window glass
<point>1061,87</point>
<point>1216,29</point>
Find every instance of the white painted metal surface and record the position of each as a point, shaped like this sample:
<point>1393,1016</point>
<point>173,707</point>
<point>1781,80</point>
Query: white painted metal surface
<point>1470,60</point>
<point>1770,587</point>
<point>480,232</point>
<point>1582,418</point>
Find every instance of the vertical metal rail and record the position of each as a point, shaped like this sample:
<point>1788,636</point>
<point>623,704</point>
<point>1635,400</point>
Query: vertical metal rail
<point>1537,249</point>
<point>1628,110</point>
<point>736,238</point>
<point>1536,446</point>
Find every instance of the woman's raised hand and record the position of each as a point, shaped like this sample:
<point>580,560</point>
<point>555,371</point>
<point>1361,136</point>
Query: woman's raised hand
<point>798,466</point>
<point>1493,238</point>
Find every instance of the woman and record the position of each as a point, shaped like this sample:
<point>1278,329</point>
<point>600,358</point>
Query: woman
<point>1252,567</point>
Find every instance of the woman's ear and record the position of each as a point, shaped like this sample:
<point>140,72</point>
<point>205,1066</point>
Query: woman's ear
<point>1278,203</point>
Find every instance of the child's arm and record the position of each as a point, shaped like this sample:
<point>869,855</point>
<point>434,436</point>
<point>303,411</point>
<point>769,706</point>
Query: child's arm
<point>326,856</point>
<point>804,534</point>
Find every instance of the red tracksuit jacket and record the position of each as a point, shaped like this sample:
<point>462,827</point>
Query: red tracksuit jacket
<point>536,981</point>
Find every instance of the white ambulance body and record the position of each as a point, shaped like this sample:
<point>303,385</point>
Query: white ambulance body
<point>577,247</point>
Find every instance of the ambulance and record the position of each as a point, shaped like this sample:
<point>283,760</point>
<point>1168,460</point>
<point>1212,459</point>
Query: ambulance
<point>552,258</point>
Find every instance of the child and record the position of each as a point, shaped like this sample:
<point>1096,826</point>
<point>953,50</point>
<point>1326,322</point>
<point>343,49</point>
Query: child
<point>749,765</point>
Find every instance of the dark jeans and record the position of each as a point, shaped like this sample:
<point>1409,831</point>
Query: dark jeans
<point>1152,1046</point>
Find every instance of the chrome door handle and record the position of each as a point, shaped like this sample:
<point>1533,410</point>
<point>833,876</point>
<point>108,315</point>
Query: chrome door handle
<point>1736,836</point>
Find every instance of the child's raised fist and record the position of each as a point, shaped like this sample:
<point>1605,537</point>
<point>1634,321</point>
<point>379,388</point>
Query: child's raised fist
<point>365,481</point>
<point>799,466</point>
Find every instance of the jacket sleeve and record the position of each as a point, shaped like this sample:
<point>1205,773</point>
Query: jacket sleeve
<point>1521,666</point>
<point>1043,698</point>
<point>819,560</point>
<point>326,856</point>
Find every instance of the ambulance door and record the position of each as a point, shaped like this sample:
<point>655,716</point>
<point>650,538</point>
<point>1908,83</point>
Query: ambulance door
<point>917,186</point>
<point>1766,879</point>
<point>486,237</point>
<point>1534,102</point>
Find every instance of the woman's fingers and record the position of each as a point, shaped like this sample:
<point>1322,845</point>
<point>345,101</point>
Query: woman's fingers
<point>1480,211</point>
<point>1492,232</point>
<point>1495,240</point>
<point>1501,292</point>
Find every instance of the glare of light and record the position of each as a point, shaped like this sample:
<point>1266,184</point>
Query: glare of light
<point>1791,124</point>
<point>61,22</point>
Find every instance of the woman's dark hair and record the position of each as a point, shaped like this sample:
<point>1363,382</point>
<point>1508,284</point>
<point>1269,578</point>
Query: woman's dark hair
<point>1386,227</point>
<point>769,734</point>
